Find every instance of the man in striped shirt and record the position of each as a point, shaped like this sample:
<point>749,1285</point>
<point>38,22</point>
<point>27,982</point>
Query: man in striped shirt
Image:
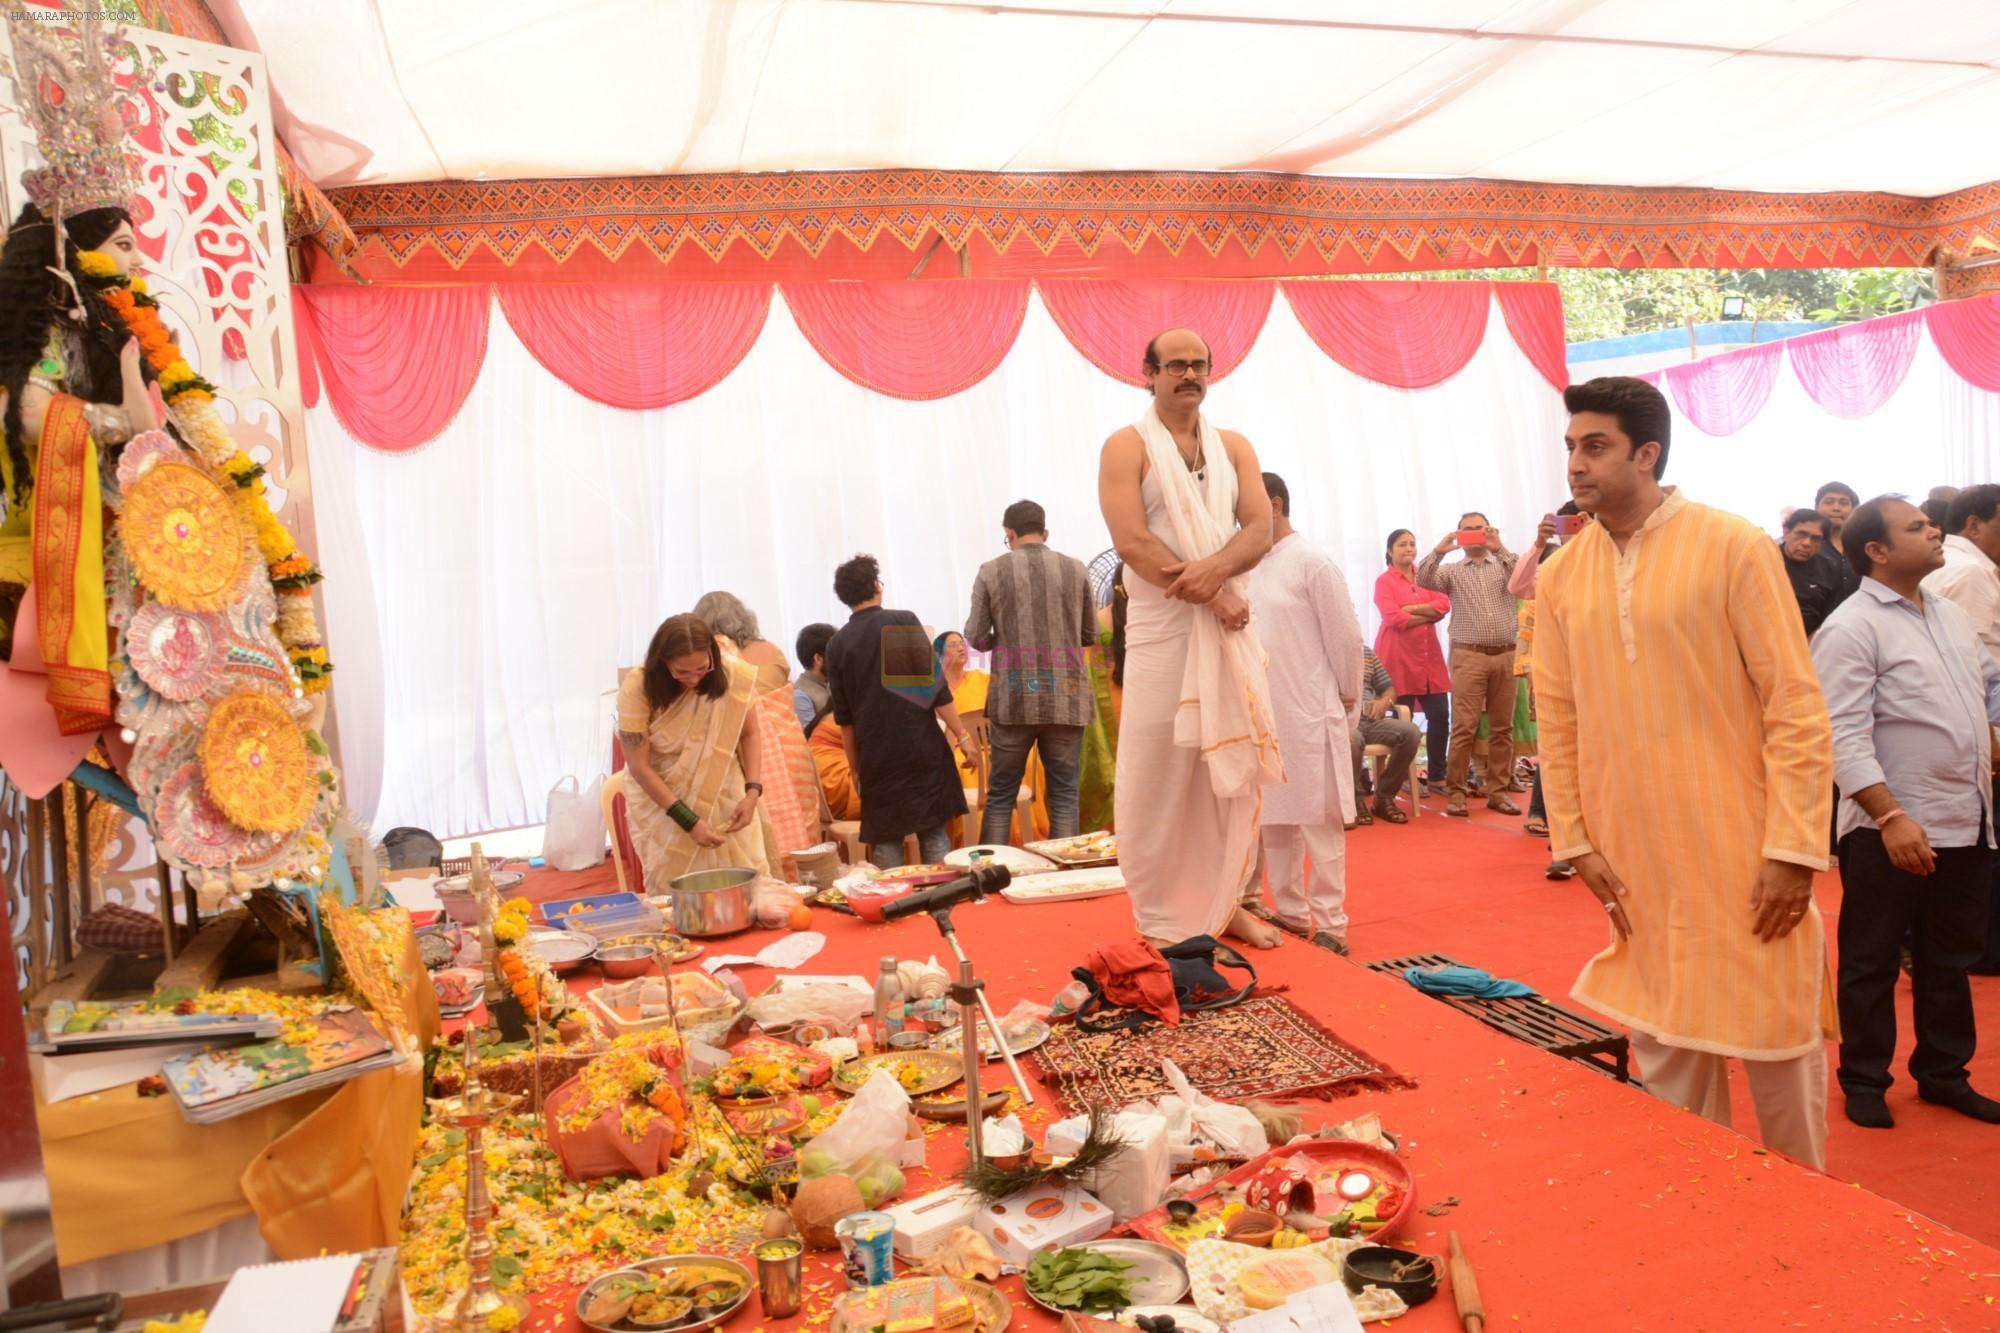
<point>1378,727</point>
<point>1032,610</point>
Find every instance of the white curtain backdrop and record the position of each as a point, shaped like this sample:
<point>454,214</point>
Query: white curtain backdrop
<point>510,568</point>
<point>1936,429</point>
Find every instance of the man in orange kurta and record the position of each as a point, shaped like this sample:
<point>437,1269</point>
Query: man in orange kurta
<point>1688,765</point>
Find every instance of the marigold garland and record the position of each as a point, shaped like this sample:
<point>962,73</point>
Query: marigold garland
<point>189,400</point>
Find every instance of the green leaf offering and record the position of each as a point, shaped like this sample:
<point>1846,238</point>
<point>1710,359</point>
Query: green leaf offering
<point>1080,1279</point>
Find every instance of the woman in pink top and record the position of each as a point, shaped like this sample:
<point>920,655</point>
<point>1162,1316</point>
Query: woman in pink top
<point>1408,645</point>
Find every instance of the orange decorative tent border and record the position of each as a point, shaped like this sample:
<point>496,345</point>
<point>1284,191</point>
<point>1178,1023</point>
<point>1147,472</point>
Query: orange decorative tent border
<point>833,223</point>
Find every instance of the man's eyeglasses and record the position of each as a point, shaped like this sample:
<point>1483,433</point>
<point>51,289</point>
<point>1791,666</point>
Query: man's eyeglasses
<point>1179,369</point>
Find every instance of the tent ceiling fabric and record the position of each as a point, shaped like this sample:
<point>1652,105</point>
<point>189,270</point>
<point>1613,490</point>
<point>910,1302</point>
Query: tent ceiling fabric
<point>1774,95</point>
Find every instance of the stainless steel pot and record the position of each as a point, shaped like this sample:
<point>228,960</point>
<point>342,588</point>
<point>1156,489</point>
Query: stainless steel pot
<point>712,902</point>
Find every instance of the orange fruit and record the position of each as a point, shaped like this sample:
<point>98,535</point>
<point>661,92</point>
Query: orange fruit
<point>800,918</point>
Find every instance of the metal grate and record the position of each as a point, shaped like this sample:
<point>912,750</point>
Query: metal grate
<point>1534,1020</point>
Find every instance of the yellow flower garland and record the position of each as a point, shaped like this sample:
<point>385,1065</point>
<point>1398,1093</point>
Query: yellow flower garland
<point>189,400</point>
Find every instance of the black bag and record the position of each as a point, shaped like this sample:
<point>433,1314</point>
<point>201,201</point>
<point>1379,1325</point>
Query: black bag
<point>411,848</point>
<point>1198,985</point>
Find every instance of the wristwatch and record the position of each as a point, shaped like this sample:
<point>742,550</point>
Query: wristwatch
<point>758,785</point>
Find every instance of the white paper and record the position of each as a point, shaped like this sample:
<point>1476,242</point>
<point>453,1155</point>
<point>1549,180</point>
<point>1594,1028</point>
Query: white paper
<point>1324,1309</point>
<point>786,953</point>
<point>417,895</point>
<point>304,1296</point>
<point>61,1077</point>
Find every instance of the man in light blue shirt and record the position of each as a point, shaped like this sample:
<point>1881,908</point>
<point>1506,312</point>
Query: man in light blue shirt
<point>1912,693</point>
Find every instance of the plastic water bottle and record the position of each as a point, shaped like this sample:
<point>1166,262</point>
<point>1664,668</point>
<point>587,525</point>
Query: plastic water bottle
<point>888,1004</point>
<point>1068,1000</point>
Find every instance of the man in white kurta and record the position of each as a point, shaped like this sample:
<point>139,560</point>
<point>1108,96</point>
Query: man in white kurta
<point>1186,508</point>
<point>1313,643</point>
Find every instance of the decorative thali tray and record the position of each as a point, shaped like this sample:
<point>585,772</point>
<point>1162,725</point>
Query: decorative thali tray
<point>939,1071</point>
<point>671,1271</point>
<point>1081,852</point>
<point>1026,1038</point>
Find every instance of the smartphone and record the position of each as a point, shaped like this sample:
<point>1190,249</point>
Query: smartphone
<point>1568,525</point>
<point>1469,539</point>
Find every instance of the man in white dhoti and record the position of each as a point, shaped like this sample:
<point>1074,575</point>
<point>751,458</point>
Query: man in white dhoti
<point>1187,511</point>
<point>1306,621</point>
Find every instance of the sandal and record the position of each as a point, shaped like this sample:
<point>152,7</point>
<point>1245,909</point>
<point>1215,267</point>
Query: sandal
<point>1331,942</point>
<point>1391,814</point>
<point>1535,828</point>
<point>1266,914</point>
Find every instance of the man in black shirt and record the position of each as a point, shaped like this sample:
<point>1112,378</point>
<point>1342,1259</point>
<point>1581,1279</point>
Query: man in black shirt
<point>1804,539</point>
<point>1835,501</point>
<point>888,694</point>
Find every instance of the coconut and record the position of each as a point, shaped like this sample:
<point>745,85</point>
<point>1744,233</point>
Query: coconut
<point>821,1203</point>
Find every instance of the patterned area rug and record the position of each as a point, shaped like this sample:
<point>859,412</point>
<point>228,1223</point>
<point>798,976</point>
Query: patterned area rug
<point>1263,1047</point>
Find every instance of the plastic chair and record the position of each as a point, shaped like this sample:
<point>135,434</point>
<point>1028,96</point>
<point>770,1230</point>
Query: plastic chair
<point>1379,754</point>
<point>611,798</point>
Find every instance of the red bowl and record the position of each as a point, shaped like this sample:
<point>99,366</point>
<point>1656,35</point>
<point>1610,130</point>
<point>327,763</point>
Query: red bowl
<point>868,900</point>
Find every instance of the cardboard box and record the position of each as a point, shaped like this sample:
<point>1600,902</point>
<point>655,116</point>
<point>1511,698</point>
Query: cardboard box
<point>1043,1216</point>
<point>923,1223</point>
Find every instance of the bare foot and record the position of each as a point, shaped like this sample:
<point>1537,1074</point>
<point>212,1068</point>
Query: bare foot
<point>1257,934</point>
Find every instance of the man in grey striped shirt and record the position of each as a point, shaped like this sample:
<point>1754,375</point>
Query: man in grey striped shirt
<point>1032,610</point>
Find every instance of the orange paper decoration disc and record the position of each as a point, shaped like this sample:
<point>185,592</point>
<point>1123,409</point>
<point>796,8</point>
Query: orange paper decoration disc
<point>185,537</point>
<point>256,765</point>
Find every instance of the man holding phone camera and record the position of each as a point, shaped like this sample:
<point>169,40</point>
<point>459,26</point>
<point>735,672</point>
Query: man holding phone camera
<point>1482,655</point>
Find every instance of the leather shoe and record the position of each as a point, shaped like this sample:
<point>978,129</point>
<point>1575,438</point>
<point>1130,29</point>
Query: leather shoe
<point>1503,805</point>
<point>1964,1101</point>
<point>1868,1110</point>
<point>1456,808</point>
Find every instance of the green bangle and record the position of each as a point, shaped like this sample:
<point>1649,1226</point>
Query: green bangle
<point>683,815</point>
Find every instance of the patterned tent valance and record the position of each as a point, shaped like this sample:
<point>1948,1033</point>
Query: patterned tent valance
<point>1187,223</point>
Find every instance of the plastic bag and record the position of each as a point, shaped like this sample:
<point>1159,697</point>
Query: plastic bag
<point>829,1002</point>
<point>574,838</point>
<point>1198,1126</point>
<point>869,1132</point>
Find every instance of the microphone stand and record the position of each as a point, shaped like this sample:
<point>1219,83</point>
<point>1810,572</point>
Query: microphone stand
<point>969,993</point>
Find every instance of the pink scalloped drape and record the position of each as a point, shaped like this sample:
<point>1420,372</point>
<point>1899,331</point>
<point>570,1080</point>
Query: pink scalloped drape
<point>1853,369</point>
<point>1967,334</point>
<point>913,340</point>
<point>1721,395</point>
<point>397,362</point>
<point>1534,315</point>
<point>637,345</point>
<point>1407,334</point>
<point>1111,322</point>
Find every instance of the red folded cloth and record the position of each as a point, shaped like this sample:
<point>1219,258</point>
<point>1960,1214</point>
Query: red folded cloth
<point>1135,976</point>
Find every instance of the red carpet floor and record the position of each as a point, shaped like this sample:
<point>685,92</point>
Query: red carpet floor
<point>1585,1205</point>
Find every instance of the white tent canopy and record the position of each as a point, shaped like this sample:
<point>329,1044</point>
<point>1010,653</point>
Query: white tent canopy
<point>1780,95</point>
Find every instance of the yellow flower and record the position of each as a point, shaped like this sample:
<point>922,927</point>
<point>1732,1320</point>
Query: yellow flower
<point>510,929</point>
<point>504,1320</point>
<point>96,264</point>
<point>518,906</point>
<point>139,285</point>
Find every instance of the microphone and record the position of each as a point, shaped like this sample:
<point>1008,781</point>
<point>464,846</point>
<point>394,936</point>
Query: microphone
<point>972,886</point>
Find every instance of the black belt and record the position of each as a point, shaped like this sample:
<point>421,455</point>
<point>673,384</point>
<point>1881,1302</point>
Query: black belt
<point>1490,649</point>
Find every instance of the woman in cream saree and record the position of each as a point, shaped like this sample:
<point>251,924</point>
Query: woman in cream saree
<point>683,722</point>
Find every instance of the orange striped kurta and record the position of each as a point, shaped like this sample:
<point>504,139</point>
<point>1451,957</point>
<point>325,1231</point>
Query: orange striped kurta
<point>1684,738</point>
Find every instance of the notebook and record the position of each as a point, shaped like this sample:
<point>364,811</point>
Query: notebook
<point>216,1085</point>
<point>304,1296</point>
<point>73,1025</point>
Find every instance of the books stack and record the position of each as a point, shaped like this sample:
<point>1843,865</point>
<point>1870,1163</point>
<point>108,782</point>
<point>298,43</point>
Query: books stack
<point>216,1085</point>
<point>87,1046</point>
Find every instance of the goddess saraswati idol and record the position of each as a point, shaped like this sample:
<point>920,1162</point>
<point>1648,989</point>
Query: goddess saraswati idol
<point>157,634</point>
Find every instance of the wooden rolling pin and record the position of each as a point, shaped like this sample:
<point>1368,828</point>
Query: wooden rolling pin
<point>1465,1289</point>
